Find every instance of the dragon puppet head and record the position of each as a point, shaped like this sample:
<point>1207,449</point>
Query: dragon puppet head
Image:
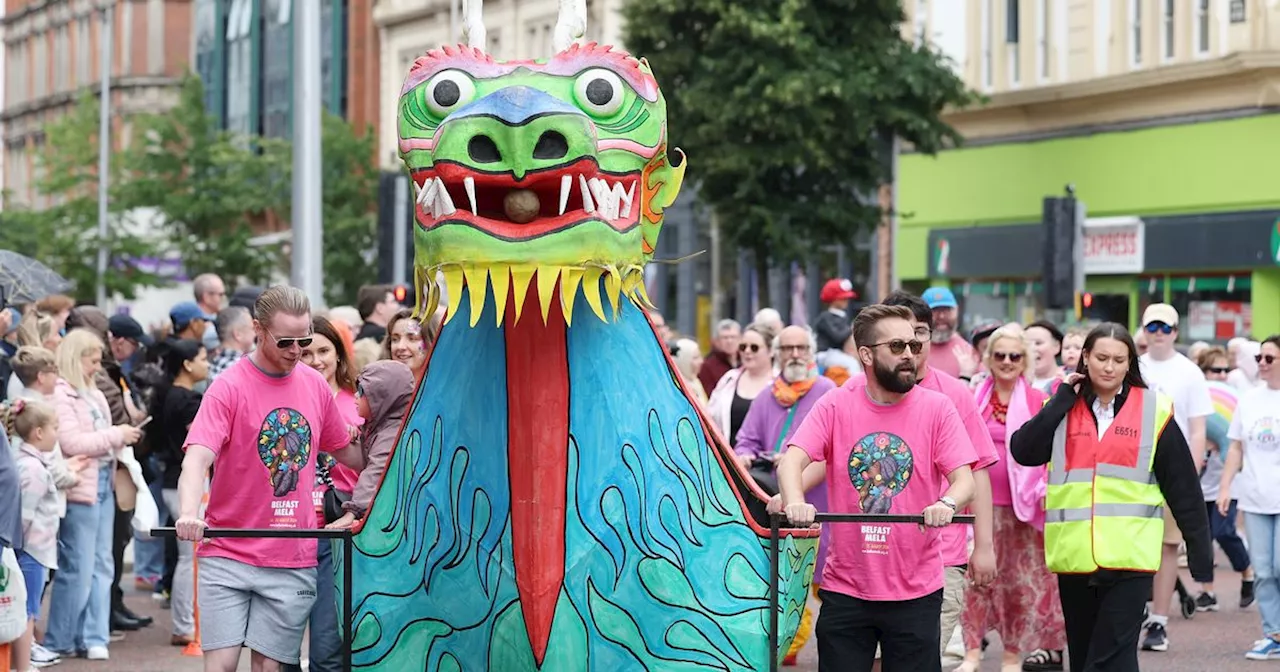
<point>556,167</point>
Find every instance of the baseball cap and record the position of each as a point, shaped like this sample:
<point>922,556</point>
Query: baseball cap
<point>837,289</point>
<point>184,312</point>
<point>15,319</point>
<point>123,326</point>
<point>939,297</point>
<point>982,331</point>
<point>1160,312</point>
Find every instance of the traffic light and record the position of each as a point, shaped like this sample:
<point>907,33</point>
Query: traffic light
<point>1086,300</point>
<point>1059,253</point>
<point>401,293</point>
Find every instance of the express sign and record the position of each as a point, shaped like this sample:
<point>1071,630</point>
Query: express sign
<point>1113,245</point>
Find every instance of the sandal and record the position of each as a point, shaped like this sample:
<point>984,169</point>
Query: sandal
<point>1042,660</point>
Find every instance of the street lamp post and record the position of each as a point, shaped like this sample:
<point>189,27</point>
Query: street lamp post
<point>308,224</point>
<point>104,153</point>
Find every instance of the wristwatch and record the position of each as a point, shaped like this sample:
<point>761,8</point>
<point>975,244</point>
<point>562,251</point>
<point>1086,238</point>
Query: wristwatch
<point>949,502</point>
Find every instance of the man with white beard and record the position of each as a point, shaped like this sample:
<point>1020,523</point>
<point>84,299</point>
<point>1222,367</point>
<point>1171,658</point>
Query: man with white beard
<point>773,419</point>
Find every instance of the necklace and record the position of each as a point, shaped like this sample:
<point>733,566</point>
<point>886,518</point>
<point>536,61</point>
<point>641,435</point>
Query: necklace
<point>999,410</point>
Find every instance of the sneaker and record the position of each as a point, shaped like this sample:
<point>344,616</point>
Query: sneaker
<point>1207,602</point>
<point>1246,594</point>
<point>42,657</point>
<point>1157,639</point>
<point>97,653</point>
<point>1264,649</point>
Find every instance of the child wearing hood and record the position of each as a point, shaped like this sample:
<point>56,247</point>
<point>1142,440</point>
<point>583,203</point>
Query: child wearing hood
<point>384,391</point>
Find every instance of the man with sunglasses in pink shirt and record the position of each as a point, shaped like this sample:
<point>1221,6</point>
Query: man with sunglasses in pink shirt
<point>259,428</point>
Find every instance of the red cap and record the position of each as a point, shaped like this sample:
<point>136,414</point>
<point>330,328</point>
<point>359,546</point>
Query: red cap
<point>837,289</point>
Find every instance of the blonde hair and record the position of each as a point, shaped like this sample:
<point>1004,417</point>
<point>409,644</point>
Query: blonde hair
<point>77,344</point>
<point>365,352</point>
<point>30,361</point>
<point>35,328</point>
<point>22,417</point>
<point>1018,336</point>
<point>281,299</point>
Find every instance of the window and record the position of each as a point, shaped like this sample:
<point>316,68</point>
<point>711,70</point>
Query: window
<point>1168,33</point>
<point>240,76</point>
<point>62,59</point>
<point>1042,40</point>
<point>1011,39</point>
<point>988,76</point>
<point>1135,32</point>
<point>83,47</point>
<point>277,68</point>
<point>1202,27</point>
<point>920,21</point>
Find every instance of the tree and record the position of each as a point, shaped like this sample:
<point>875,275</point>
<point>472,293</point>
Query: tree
<point>209,186</point>
<point>350,208</point>
<point>64,235</point>
<point>780,103</point>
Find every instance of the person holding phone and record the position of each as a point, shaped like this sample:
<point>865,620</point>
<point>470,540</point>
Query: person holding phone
<point>1116,459</point>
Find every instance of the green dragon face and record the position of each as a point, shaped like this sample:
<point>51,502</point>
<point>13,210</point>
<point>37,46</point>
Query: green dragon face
<point>556,166</point>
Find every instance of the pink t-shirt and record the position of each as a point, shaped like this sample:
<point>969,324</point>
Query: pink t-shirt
<point>945,357</point>
<point>264,432</point>
<point>884,459</point>
<point>343,477</point>
<point>955,538</point>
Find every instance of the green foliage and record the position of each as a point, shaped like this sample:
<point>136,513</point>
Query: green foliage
<point>349,209</point>
<point>779,104</point>
<point>209,186</point>
<point>65,234</point>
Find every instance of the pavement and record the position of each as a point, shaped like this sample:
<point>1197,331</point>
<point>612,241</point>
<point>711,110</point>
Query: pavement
<point>1207,641</point>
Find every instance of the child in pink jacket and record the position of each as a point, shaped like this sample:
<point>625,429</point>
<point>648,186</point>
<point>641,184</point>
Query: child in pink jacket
<point>384,391</point>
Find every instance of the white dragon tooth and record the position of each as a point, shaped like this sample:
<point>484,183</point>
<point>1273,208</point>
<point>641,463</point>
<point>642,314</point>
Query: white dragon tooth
<point>445,202</point>
<point>624,198</point>
<point>469,183</point>
<point>588,205</point>
<point>427,194</point>
<point>566,183</point>
<point>605,200</point>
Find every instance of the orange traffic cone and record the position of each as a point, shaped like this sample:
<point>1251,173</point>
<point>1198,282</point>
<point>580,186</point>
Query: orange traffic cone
<point>193,647</point>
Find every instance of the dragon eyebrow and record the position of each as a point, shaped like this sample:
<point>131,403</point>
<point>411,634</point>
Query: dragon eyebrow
<point>468,59</point>
<point>579,57</point>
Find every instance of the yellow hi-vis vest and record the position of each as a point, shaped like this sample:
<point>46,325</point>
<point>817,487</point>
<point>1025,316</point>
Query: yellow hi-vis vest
<point>1103,508</point>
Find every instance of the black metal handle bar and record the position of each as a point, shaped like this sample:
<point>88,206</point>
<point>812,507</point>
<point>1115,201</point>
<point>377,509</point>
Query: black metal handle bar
<point>348,548</point>
<point>775,522</point>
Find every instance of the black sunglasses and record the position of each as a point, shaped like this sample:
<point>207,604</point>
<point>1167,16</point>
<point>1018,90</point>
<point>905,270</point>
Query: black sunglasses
<point>897,346</point>
<point>753,347</point>
<point>1014,357</point>
<point>1219,369</point>
<point>1160,327</point>
<point>286,343</point>
<point>1270,359</point>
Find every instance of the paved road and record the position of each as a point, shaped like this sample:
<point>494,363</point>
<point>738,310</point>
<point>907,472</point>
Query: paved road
<point>1208,641</point>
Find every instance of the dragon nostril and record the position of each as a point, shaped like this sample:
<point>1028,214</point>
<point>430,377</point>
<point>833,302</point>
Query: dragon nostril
<point>482,149</point>
<point>551,145</point>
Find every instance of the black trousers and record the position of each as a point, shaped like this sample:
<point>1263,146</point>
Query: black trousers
<point>1103,615</point>
<point>908,632</point>
<point>121,538</point>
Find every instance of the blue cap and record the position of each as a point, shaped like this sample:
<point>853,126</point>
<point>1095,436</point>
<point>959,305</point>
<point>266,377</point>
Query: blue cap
<point>15,319</point>
<point>939,297</point>
<point>184,312</point>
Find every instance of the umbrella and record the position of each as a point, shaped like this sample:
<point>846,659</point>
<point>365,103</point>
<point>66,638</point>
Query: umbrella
<point>1224,408</point>
<point>24,280</point>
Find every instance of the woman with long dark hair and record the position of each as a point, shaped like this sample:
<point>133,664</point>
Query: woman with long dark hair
<point>1115,459</point>
<point>174,404</point>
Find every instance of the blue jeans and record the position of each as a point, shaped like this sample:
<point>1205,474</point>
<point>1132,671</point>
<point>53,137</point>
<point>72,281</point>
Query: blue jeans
<point>148,552</point>
<point>1264,550</point>
<point>1223,529</point>
<point>80,604</point>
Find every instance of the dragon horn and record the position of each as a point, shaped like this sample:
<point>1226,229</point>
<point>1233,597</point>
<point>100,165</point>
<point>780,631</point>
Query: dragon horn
<point>473,29</point>
<point>572,23</point>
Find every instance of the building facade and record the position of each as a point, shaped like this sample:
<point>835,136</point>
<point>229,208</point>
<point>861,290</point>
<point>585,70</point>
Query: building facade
<point>1160,116</point>
<point>52,55</point>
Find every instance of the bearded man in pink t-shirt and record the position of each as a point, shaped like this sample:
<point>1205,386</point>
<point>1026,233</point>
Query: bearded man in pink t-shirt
<point>889,445</point>
<point>259,427</point>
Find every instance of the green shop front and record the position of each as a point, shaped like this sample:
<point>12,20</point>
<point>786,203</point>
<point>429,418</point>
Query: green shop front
<point>1187,215</point>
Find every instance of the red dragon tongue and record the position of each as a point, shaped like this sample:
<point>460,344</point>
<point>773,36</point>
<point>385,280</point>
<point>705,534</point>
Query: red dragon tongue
<point>537,459</point>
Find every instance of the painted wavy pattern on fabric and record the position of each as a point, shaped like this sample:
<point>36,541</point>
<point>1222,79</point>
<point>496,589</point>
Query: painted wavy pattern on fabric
<point>662,571</point>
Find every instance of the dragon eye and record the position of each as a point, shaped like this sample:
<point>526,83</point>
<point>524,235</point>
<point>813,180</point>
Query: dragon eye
<point>599,91</point>
<point>448,91</point>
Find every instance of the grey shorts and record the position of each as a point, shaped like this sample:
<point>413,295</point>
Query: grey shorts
<point>263,608</point>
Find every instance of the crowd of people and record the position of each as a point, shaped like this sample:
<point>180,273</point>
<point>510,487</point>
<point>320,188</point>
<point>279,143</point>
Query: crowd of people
<point>91,400</point>
<point>1077,451</point>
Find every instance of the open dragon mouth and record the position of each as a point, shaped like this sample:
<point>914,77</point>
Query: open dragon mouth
<point>538,204</point>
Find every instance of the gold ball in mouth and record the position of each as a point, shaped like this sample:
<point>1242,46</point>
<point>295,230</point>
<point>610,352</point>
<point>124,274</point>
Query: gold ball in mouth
<point>521,205</point>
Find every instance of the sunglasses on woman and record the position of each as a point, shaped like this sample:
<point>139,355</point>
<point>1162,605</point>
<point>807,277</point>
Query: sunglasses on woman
<point>753,347</point>
<point>1270,359</point>
<point>897,346</point>
<point>1013,357</point>
<point>1218,369</point>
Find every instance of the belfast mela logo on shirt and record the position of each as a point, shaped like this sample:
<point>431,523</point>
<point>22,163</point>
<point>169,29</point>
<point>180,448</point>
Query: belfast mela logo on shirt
<point>880,466</point>
<point>284,445</point>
